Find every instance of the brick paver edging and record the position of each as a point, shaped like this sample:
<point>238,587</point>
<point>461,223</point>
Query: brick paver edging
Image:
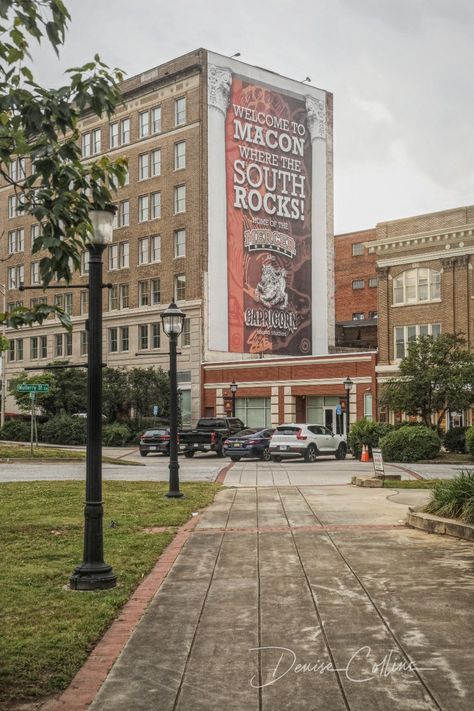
<point>88,680</point>
<point>223,473</point>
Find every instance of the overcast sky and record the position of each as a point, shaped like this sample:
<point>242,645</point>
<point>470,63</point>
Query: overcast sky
<point>401,72</point>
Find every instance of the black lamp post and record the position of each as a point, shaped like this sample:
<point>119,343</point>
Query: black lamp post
<point>93,573</point>
<point>173,320</point>
<point>348,383</point>
<point>233,390</point>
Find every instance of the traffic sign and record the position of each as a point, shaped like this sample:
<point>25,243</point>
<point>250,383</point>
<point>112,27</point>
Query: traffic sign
<point>33,388</point>
<point>156,410</point>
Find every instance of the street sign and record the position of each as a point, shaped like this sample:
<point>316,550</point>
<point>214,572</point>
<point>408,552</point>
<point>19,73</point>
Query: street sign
<point>338,410</point>
<point>33,388</point>
<point>377,459</point>
<point>156,410</point>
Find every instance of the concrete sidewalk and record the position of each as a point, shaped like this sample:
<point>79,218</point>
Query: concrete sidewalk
<point>304,598</point>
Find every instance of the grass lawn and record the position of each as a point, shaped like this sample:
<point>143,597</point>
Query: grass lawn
<point>48,631</point>
<point>410,483</point>
<point>22,451</point>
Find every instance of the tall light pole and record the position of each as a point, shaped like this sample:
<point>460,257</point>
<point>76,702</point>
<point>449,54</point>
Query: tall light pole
<point>233,390</point>
<point>173,320</point>
<point>3,290</point>
<point>93,573</point>
<point>348,383</point>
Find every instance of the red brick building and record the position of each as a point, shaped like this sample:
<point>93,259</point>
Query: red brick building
<point>356,290</point>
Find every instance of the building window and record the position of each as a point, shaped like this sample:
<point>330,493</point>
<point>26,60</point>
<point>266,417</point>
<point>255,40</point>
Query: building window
<point>58,345</point>
<point>358,316</point>
<point>180,111</point>
<point>180,243</point>
<point>68,344</point>
<point>143,293</point>
<point>91,143</point>
<point>124,296</point>
<point>113,340</point>
<point>12,206</point>
<point>404,335</point>
<point>17,169</point>
<point>16,349</point>
<point>34,348</point>
<point>143,337</point>
<point>180,287</point>
<point>155,248</point>
<point>143,166</point>
<point>417,286</point>
<point>186,335</point>
<point>180,155</point>
<point>113,257</point>
<point>143,202</point>
<point>16,241</point>
<point>368,406</point>
<point>84,263</point>
<point>119,256</point>
<point>156,162</point>
<point>84,342</point>
<point>124,338</point>
<point>124,131</point>
<point>155,335</point>
<point>114,135</point>
<point>144,124</point>
<point>373,282</point>
<point>84,302</point>
<point>358,284</point>
<point>37,301</point>
<point>64,301</point>
<point>35,232</point>
<point>155,206</point>
<point>254,411</point>
<point>16,276</point>
<point>155,291</point>
<point>373,314</point>
<point>114,298</point>
<point>122,216</point>
<point>358,249</point>
<point>179,199</point>
<point>156,119</point>
<point>143,247</point>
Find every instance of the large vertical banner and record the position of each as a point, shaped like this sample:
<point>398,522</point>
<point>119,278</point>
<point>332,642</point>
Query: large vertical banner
<point>268,175</point>
<point>267,211</point>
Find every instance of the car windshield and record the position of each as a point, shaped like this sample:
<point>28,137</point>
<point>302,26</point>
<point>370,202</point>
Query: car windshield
<point>245,433</point>
<point>152,433</point>
<point>287,430</point>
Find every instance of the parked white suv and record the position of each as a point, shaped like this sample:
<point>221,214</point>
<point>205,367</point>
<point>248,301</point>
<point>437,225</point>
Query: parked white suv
<point>308,441</point>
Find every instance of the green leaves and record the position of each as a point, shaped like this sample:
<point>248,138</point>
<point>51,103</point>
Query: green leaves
<point>40,125</point>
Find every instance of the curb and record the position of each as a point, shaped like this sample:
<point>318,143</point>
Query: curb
<point>84,687</point>
<point>223,473</point>
<point>437,524</point>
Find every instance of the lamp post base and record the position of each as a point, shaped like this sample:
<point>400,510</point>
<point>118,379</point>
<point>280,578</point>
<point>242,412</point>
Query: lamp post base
<point>174,494</point>
<point>93,577</point>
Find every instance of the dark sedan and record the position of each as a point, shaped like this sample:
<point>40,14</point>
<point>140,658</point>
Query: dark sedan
<point>155,441</point>
<point>248,443</point>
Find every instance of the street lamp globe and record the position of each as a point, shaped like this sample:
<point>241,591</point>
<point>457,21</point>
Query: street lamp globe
<point>173,320</point>
<point>233,387</point>
<point>102,225</point>
<point>348,383</point>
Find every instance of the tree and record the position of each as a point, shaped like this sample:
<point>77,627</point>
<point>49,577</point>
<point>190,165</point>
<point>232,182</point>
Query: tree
<point>148,387</point>
<point>40,155</point>
<point>436,375</point>
<point>115,394</point>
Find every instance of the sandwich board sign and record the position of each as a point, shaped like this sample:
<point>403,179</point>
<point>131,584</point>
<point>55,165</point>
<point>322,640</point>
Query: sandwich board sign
<point>377,459</point>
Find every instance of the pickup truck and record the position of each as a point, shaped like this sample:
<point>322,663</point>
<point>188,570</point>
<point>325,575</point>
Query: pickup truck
<point>209,435</point>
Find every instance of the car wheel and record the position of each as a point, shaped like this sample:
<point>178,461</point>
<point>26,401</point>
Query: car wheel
<point>266,456</point>
<point>341,451</point>
<point>275,458</point>
<point>235,459</point>
<point>143,454</point>
<point>189,454</point>
<point>311,454</point>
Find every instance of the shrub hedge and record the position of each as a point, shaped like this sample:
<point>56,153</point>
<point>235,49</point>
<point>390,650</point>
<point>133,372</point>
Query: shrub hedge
<point>455,439</point>
<point>17,431</point>
<point>64,429</point>
<point>368,433</point>
<point>115,435</point>
<point>410,444</point>
<point>454,498</point>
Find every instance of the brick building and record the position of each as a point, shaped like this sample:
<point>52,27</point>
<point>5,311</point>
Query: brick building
<point>425,272</point>
<point>168,237</point>
<point>356,290</point>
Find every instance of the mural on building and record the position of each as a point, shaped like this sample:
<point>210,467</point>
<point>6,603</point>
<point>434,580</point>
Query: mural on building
<point>266,133</point>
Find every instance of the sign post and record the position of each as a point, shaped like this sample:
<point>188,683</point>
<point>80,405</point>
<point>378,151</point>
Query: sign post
<point>32,389</point>
<point>377,459</point>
